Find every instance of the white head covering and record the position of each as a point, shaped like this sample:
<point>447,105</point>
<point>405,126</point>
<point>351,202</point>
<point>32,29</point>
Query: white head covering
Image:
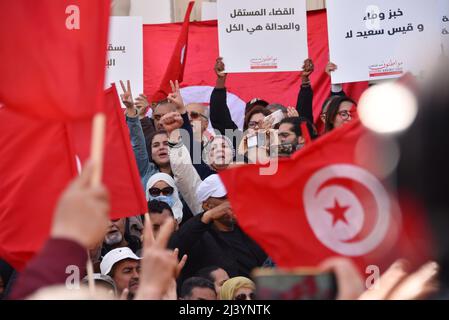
<point>211,187</point>
<point>177,206</point>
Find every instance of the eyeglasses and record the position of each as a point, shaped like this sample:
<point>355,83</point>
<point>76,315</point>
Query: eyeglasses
<point>244,296</point>
<point>253,124</point>
<point>195,115</point>
<point>344,114</point>
<point>154,192</point>
<point>157,117</point>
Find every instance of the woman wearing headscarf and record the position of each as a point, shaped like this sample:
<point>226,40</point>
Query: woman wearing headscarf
<point>162,187</point>
<point>238,288</point>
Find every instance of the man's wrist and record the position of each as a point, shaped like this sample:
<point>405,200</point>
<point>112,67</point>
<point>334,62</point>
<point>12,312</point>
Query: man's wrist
<point>129,112</point>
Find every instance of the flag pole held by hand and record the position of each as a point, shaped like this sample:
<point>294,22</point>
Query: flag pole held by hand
<point>96,156</point>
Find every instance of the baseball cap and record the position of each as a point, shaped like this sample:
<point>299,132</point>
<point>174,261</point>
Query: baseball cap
<point>114,256</point>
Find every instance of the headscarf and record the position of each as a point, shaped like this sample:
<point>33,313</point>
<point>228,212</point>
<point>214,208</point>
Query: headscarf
<point>230,287</point>
<point>177,204</point>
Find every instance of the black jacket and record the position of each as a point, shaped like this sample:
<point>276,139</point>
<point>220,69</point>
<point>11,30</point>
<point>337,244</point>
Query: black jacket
<point>205,246</point>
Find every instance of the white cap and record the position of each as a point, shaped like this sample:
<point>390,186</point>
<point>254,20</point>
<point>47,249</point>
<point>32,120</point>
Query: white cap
<point>211,187</point>
<point>114,256</point>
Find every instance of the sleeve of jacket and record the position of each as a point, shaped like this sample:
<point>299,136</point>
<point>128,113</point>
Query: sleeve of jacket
<point>304,104</point>
<point>186,178</point>
<point>188,235</point>
<point>50,267</point>
<point>220,116</point>
<point>146,168</point>
<point>148,129</point>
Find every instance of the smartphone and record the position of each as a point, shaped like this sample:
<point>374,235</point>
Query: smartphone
<point>298,284</point>
<point>252,141</point>
<point>277,117</point>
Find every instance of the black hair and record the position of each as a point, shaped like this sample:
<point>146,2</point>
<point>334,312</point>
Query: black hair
<point>255,103</point>
<point>206,273</point>
<point>296,123</point>
<point>255,110</point>
<point>332,111</point>
<point>150,143</point>
<point>195,282</point>
<point>156,206</point>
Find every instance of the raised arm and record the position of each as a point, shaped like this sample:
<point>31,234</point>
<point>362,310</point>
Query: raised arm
<point>220,116</point>
<point>304,104</point>
<point>146,168</point>
<point>185,175</point>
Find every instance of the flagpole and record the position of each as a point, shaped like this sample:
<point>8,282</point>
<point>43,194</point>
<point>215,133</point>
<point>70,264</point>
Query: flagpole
<point>96,156</point>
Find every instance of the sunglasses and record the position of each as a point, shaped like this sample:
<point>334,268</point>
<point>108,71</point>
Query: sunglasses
<point>195,115</point>
<point>155,192</point>
<point>244,296</point>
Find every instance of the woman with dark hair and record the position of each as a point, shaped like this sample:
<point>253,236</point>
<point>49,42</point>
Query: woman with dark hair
<point>340,111</point>
<point>254,118</point>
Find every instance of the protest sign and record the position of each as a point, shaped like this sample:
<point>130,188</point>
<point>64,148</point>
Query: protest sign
<point>125,53</point>
<point>262,35</point>
<point>444,15</point>
<point>382,39</point>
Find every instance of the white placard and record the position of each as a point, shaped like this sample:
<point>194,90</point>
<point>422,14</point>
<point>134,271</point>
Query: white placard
<point>382,39</point>
<point>125,54</point>
<point>444,18</point>
<point>262,35</point>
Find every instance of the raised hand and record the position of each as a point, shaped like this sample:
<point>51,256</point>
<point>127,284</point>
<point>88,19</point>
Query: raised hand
<point>176,98</point>
<point>307,70</point>
<point>219,68</point>
<point>292,112</point>
<point>158,265</point>
<point>142,105</point>
<point>330,67</point>
<point>82,211</point>
<point>126,96</point>
<point>172,121</point>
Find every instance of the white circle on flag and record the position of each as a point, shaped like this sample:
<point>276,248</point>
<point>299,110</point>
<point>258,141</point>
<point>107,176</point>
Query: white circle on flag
<point>337,215</point>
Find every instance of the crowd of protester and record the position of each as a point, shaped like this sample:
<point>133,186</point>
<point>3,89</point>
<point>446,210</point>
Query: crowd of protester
<point>189,246</point>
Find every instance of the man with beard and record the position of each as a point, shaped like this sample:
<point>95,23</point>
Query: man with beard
<point>118,236</point>
<point>291,137</point>
<point>123,266</point>
<point>214,238</point>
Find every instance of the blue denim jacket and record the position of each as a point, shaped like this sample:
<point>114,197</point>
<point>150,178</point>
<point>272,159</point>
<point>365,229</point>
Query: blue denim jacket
<point>145,166</point>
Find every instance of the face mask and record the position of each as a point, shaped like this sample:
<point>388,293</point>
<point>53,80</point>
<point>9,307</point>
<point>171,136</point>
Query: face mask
<point>167,199</point>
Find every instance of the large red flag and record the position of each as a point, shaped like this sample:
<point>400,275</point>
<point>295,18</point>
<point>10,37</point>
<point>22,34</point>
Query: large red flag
<point>327,200</point>
<point>175,69</point>
<point>52,57</point>
<point>199,78</point>
<point>120,173</point>
<point>36,165</point>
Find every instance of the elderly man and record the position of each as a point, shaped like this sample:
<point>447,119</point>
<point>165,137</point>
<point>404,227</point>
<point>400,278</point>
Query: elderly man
<point>123,266</point>
<point>214,238</point>
<point>199,120</point>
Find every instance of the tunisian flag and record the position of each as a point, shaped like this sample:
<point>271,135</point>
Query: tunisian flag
<point>175,69</point>
<point>160,41</point>
<point>327,200</point>
<point>52,57</point>
<point>36,165</point>
<point>120,173</point>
